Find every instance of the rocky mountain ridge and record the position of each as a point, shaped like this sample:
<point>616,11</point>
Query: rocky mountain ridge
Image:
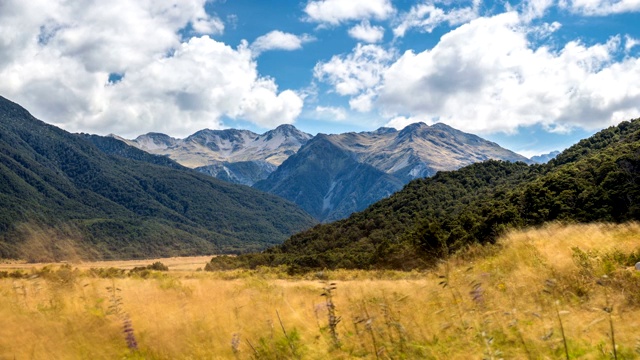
<point>329,176</point>
<point>333,176</point>
<point>420,150</point>
<point>545,158</point>
<point>213,147</point>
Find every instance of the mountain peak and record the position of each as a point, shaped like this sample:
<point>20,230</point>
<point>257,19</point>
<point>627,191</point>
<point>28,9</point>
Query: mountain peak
<point>442,126</point>
<point>544,158</point>
<point>207,137</point>
<point>384,131</point>
<point>286,127</point>
<point>153,141</point>
<point>415,126</point>
<point>287,131</point>
<point>414,129</point>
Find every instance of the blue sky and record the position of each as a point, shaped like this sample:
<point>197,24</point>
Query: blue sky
<point>532,75</point>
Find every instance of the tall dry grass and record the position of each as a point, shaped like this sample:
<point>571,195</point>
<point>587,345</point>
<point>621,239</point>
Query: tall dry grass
<point>512,300</point>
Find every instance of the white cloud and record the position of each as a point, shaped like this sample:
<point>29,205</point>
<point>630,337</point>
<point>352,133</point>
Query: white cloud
<point>535,9</point>
<point>358,71</point>
<point>630,43</point>
<point>208,25</point>
<point>363,102</point>
<point>336,113</point>
<point>466,86</point>
<point>335,12</point>
<point>543,30</point>
<point>400,122</point>
<point>601,7</point>
<point>515,84</point>
<point>366,32</point>
<point>56,58</point>
<point>427,16</point>
<point>278,40</point>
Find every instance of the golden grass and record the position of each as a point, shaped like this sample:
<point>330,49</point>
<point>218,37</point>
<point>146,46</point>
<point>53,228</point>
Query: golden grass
<point>500,301</point>
<point>186,263</point>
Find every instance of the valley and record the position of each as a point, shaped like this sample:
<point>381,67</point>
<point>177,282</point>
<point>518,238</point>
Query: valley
<point>66,196</point>
<point>320,180</point>
<point>184,263</point>
<point>329,176</point>
<point>537,293</point>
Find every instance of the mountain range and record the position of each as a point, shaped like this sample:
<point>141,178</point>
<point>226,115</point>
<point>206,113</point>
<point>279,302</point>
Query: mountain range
<point>596,180</point>
<point>238,156</point>
<point>329,176</point>
<point>66,195</point>
<point>545,158</point>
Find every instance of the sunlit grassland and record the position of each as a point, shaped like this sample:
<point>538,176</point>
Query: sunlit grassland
<point>512,300</point>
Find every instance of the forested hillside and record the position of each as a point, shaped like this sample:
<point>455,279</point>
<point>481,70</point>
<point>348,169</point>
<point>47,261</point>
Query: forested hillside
<point>596,180</point>
<point>61,196</point>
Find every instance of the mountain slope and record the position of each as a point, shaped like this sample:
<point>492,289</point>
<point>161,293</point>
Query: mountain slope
<point>420,150</point>
<point>333,176</point>
<point>241,172</point>
<point>327,181</point>
<point>61,194</point>
<point>597,179</point>
<point>239,156</point>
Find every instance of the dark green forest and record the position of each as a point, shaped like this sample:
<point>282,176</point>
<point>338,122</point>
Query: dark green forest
<point>104,199</point>
<point>596,180</point>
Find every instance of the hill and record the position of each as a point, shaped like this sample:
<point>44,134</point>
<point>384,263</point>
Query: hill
<point>597,179</point>
<point>62,196</point>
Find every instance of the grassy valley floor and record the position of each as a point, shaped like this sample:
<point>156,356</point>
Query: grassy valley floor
<point>185,263</point>
<point>537,294</point>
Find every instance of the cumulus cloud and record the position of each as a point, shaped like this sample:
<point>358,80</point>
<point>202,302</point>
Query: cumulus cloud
<point>363,102</point>
<point>56,58</point>
<point>335,12</point>
<point>278,40</point>
<point>201,82</point>
<point>366,32</point>
<point>512,85</point>
<point>427,16</point>
<point>335,113</point>
<point>400,122</point>
<point>515,84</point>
<point>601,7</point>
<point>356,72</point>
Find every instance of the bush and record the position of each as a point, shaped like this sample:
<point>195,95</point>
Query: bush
<point>144,271</point>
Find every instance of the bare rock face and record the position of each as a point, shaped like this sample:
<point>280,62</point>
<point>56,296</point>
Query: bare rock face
<point>330,176</point>
<point>241,172</point>
<point>333,176</point>
<point>238,156</point>
<point>329,182</point>
<point>420,150</point>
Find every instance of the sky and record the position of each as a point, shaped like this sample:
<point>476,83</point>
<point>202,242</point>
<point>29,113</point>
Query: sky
<point>532,75</point>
